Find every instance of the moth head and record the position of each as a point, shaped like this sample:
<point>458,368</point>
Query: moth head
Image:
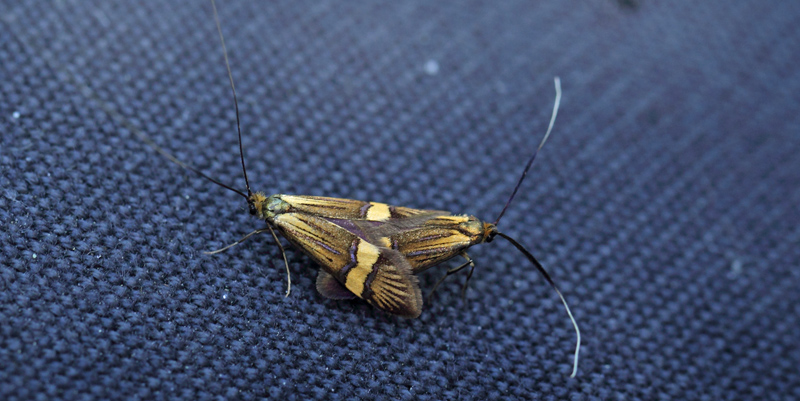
<point>256,203</point>
<point>489,232</point>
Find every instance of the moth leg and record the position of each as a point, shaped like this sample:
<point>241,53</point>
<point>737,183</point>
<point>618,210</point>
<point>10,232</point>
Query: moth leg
<point>285,261</point>
<point>469,275</point>
<point>277,241</point>
<point>259,231</point>
<point>454,270</point>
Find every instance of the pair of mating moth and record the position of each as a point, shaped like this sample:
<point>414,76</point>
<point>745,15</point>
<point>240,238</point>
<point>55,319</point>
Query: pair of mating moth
<point>371,250</point>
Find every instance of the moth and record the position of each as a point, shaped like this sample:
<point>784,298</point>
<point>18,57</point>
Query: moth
<point>370,250</point>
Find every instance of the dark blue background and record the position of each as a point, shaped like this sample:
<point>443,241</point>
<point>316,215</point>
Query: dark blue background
<point>665,204</point>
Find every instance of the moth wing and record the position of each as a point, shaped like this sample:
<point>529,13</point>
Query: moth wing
<point>375,231</point>
<point>402,213</point>
<point>392,287</point>
<point>428,239</point>
<point>350,209</point>
<point>369,270</point>
<point>330,287</point>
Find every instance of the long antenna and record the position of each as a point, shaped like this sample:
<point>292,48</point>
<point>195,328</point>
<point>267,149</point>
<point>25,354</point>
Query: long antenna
<point>557,81</point>
<point>233,89</point>
<point>146,139</point>
<point>552,284</point>
<point>117,116</point>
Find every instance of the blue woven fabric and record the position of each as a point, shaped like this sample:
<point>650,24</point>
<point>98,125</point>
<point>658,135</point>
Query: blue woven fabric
<point>665,204</point>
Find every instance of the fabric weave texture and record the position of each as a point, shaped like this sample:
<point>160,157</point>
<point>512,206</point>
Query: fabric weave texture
<point>665,204</point>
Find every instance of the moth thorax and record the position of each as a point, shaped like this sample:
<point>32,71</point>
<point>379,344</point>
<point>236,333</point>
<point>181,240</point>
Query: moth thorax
<point>475,229</point>
<point>266,207</point>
